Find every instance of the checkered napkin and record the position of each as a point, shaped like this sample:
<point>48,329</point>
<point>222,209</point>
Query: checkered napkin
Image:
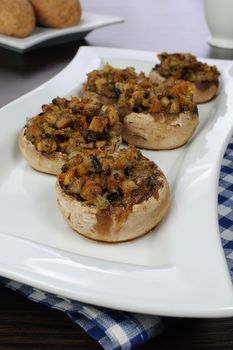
<point>116,330</point>
<point>225,205</point>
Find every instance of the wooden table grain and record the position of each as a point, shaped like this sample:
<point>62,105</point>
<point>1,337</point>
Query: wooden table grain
<point>155,25</point>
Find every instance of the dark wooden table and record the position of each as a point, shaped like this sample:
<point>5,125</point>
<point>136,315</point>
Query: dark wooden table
<point>154,25</point>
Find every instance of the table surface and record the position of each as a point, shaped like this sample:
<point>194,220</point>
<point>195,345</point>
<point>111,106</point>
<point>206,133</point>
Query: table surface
<point>162,25</point>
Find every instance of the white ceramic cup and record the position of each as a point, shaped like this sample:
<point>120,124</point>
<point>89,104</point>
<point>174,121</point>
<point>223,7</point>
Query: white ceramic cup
<point>219,18</point>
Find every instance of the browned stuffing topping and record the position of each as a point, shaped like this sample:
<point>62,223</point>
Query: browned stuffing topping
<point>103,81</point>
<point>185,67</point>
<point>119,180</point>
<point>142,96</point>
<point>132,92</point>
<point>67,124</point>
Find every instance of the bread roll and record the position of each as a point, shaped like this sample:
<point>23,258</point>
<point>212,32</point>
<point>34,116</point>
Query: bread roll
<point>57,13</point>
<point>17,18</point>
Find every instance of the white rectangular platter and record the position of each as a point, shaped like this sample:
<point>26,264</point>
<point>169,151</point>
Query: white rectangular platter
<point>43,36</point>
<point>178,269</point>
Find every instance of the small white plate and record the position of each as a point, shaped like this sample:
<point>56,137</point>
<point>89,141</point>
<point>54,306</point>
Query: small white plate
<point>179,269</point>
<point>42,36</point>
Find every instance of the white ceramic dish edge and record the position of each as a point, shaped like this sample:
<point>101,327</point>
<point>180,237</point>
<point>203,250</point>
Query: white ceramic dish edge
<point>42,36</point>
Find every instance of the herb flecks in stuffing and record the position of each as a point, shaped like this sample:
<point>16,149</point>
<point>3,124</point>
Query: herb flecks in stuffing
<point>104,81</point>
<point>185,67</point>
<point>171,97</point>
<point>119,180</point>
<point>67,124</point>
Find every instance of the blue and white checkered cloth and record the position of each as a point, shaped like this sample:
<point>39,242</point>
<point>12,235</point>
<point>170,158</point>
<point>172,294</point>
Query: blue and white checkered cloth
<point>116,330</point>
<point>225,205</point>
